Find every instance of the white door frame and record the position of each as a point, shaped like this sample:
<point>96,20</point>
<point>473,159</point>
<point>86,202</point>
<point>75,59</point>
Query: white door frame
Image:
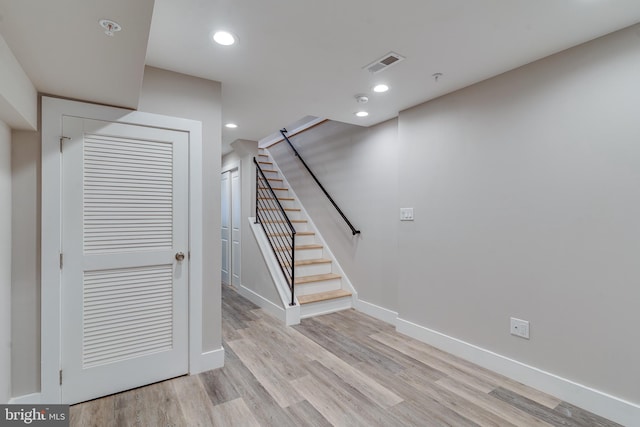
<point>53,110</point>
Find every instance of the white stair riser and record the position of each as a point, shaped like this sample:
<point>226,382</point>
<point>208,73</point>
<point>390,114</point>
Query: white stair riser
<point>264,191</point>
<point>270,174</point>
<point>279,193</point>
<point>300,226</point>
<point>308,254</point>
<point>284,203</point>
<point>294,214</point>
<point>282,224</point>
<point>275,183</point>
<point>300,239</point>
<point>317,287</point>
<point>313,269</point>
<point>288,203</point>
<point>324,307</point>
<point>305,240</point>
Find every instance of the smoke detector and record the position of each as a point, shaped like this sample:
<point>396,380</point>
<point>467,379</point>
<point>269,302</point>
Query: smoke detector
<point>362,99</point>
<point>110,27</point>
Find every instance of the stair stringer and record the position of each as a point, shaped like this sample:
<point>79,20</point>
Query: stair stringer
<point>290,315</point>
<point>327,306</point>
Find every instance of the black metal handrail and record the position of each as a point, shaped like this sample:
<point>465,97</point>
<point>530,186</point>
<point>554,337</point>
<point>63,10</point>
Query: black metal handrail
<point>276,225</point>
<point>354,231</point>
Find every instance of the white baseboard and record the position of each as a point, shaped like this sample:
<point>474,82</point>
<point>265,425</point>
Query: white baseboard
<point>213,359</point>
<point>268,306</point>
<point>27,399</point>
<point>376,311</point>
<point>603,404</point>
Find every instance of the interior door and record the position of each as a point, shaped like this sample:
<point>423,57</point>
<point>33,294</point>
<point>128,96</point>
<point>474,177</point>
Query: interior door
<point>225,231</point>
<point>236,214</point>
<point>125,257</point>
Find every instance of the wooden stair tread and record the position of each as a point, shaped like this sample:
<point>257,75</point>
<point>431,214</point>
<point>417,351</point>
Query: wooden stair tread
<point>298,233</point>
<point>304,262</point>
<point>302,247</point>
<point>312,261</point>
<point>323,296</point>
<point>286,199</point>
<point>286,209</point>
<point>316,278</point>
<point>265,163</point>
<point>301,221</point>
<point>275,179</point>
<point>274,188</point>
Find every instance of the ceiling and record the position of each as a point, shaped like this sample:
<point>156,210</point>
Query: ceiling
<point>298,57</point>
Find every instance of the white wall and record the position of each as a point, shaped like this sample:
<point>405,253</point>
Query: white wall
<point>254,272</point>
<point>358,167</point>
<point>5,263</point>
<point>25,265</point>
<point>18,96</point>
<point>525,189</point>
<point>179,95</point>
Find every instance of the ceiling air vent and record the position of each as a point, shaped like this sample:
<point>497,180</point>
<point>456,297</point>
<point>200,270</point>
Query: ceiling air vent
<point>385,62</point>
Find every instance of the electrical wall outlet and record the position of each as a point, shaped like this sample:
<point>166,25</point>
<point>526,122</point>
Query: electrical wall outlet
<point>520,328</point>
<point>406,214</point>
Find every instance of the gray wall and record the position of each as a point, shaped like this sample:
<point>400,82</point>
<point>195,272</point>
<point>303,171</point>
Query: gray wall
<point>25,265</point>
<point>254,273</point>
<point>179,95</point>
<point>358,167</point>
<point>5,263</point>
<point>525,190</point>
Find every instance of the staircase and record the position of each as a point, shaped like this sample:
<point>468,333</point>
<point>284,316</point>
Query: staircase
<point>319,284</point>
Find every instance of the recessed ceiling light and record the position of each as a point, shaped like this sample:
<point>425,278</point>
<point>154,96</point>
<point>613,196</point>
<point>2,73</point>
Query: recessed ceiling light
<point>224,38</point>
<point>231,125</point>
<point>362,114</point>
<point>380,88</point>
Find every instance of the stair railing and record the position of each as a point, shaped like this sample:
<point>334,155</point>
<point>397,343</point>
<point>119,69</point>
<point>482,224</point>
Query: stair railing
<point>276,225</point>
<point>354,231</point>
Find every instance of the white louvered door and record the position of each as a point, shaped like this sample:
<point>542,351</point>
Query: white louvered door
<point>124,293</point>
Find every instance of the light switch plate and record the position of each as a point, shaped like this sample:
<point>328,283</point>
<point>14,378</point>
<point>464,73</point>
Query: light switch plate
<point>406,214</point>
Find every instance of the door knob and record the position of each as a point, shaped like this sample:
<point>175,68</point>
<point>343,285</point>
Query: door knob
<point>180,256</point>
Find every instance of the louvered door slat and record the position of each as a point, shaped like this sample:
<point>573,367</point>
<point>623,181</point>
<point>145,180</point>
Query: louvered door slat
<point>145,191</point>
<point>108,294</point>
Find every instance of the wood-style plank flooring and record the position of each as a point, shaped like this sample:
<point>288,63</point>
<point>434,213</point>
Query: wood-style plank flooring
<point>341,369</point>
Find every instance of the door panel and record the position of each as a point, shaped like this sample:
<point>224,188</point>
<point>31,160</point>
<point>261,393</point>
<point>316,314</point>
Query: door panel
<point>225,231</point>
<point>236,213</point>
<point>124,294</point>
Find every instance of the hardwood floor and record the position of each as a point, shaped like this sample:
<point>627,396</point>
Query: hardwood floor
<point>341,369</point>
